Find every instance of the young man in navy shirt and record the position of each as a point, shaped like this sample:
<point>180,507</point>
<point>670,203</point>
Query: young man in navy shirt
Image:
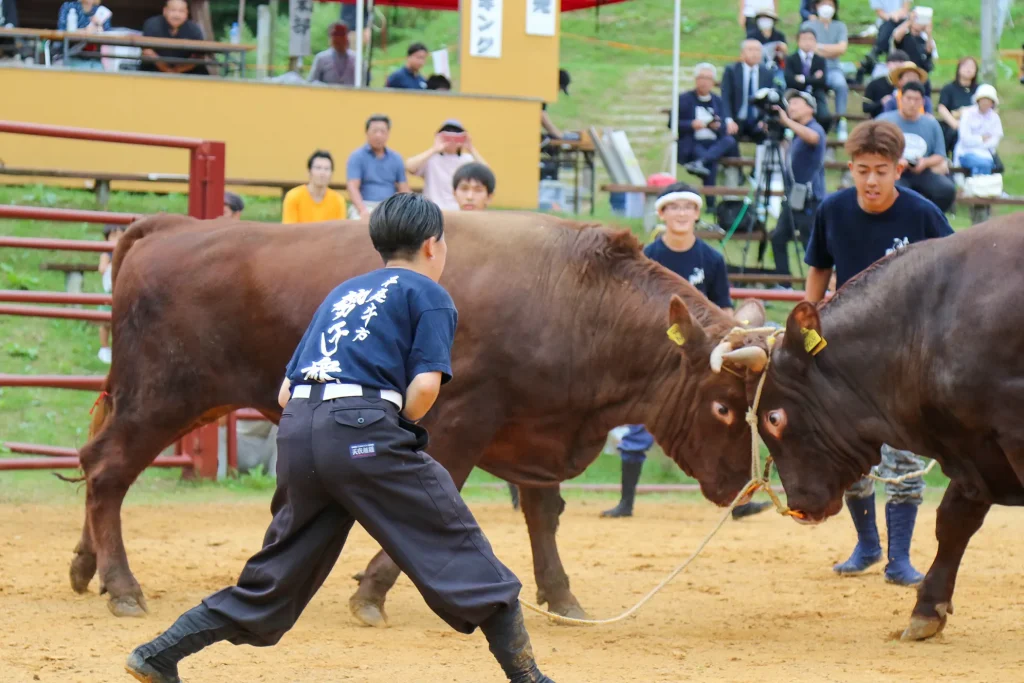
<point>408,76</point>
<point>369,366</point>
<point>853,228</point>
<point>679,250</point>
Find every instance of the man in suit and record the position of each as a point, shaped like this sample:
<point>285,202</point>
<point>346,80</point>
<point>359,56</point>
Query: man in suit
<point>739,84</point>
<point>805,71</point>
<point>702,136</point>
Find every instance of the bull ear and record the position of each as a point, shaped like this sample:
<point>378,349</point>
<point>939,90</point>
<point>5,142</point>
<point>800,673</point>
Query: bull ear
<point>803,332</point>
<point>750,313</point>
<point>682,328</point>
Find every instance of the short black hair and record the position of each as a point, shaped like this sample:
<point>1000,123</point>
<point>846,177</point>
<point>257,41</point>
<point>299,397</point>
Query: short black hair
<point>913,85</point>
<point>806,29</point>
<point>234,202</point>
<point>677,187</point>
<point>475,171</point>
<point>109,228</point>
<point>438,82</point>
<point>898,56</point>
<point>319,154</point>
<point>414,48</point>
<point>402,223</point>
<point>378,118</point>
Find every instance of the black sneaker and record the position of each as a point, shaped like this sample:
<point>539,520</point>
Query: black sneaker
<point>697,168</point>
<point>741,511</point>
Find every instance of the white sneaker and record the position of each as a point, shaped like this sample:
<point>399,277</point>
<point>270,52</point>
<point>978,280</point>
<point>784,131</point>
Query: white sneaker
<point>842,133</point>
<point>104,354</point>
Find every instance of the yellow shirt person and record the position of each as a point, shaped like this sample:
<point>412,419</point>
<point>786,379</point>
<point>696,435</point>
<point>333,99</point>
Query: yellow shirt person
<point>300,206</point>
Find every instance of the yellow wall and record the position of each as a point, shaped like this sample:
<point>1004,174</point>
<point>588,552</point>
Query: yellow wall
<point>528,66</point>
<point>270,130</point>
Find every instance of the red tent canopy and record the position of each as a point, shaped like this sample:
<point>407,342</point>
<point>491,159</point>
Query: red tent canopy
<point>453,5</point>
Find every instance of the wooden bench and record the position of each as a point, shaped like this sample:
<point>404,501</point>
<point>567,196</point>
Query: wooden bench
<point>103,179</point>
<point>835,117</point>
<point>73,273</point>
<point>981,207</point>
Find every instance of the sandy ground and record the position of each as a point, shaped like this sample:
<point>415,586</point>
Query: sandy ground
<point>760,604</point>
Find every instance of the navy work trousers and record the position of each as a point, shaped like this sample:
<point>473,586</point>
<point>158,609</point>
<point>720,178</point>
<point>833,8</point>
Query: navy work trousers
<point>356,460</point>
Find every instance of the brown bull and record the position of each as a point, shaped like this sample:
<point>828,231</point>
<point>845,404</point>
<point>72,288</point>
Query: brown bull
<point>924,352</point>
<point>561,337</point>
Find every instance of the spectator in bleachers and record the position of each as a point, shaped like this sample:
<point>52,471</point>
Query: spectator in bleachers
<point>374,172</point>
<point>91,17</point>
<point>408,76</point>
<point>805,71</point>
<point>907,72</point>
<point>438,82</point>
<point>914,36</point>
<point>832,44</point>
<point>749,10</point>
<point>955,96</point>
<point>703,138</point>
<point>315,201</point>
<point>773,41</point>
<point>739,83</point>
<point>980,132</point>
<point>473,186</point>
<point>808,10</point>
<point>111,233</point>
<point>8,19</point>
<point>924,152</point>
<point>890,14</point>
<point>807,165</point>
<point>348,17</point>
<point>175,24</point>
<point>878,89</point>
<point>337,64</point>
<point>452,149</point>
<point>233,205</point>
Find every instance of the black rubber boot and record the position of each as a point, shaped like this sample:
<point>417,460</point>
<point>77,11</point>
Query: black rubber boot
<point>510,644</point>
<point>157,660</point>
<point>630,476</point>
<point>748,509</point>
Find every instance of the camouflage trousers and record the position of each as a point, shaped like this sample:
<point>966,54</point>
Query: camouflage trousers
<point>894,464</point>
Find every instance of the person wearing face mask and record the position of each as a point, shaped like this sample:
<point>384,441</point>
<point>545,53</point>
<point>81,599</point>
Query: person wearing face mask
<point>832,44</point>
<point>771,38</point>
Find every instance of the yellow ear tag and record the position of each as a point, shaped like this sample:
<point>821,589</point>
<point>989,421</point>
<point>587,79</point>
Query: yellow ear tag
<point>675,335</point>
<point>813,342</point>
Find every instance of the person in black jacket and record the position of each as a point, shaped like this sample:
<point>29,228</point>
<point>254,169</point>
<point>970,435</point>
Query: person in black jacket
<point>876,91</point>
<point>739,84</point>
<point>8,19</point>
<point>805,71</point>
<point>917,40</point>
<point>956,95</point>
<point>703,139</point>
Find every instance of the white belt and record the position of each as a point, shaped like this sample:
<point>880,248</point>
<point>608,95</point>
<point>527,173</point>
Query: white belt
<point>335,390</point>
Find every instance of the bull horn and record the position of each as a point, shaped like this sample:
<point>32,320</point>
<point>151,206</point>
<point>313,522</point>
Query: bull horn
<point>717,356</point>
<point>752,357</point>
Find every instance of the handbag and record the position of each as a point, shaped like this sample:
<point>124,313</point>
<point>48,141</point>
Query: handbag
<point>984,185</point>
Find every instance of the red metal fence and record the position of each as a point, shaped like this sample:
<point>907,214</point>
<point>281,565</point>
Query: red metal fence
<point>197,452</point>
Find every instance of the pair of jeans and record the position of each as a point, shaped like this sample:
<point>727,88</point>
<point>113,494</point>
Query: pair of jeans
<point>977,164</point>
<point>836,81</point>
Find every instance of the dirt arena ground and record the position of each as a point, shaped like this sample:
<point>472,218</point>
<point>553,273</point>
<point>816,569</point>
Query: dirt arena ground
<point>761,603</point>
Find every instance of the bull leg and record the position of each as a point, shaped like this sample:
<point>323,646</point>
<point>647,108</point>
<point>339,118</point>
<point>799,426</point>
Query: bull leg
<point>957,520</point>
<point>367,603</point>
<point>542,507</point>
<point>83,564</point>
<point>110,468</point>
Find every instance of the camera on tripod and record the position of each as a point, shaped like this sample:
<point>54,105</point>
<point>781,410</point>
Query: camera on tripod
<point>765,100</point>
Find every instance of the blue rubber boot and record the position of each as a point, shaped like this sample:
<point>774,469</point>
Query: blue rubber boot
<point>900,519</point>
<point>868,550</point>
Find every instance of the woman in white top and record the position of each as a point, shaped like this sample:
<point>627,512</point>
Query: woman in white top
<point>452,149</point>
<point>980,133</point>
<point>750,8</point>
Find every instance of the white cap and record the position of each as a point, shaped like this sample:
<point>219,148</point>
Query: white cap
<point>985,92</point>
<point>923,15</point>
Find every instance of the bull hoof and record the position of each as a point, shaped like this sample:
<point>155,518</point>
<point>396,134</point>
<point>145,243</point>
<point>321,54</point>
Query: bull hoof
<point>922,627</point>
<point>128,606</point>
<point>571,610</point>
<point>83,568</point>
<point>368,613</point>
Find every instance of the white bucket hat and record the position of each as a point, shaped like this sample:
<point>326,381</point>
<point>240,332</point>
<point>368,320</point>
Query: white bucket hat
<point>985,92</point>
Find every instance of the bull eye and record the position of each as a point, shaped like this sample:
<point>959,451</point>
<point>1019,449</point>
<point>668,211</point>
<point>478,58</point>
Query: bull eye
<point>722,412</point>
<point>776,422</point>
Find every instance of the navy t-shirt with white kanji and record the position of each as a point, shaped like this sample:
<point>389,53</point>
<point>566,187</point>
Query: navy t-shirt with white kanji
<point>851,239</point>
<point>378,330</point>
<point>700,264</point>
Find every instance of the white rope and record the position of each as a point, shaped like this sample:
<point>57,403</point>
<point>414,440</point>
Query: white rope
<point>903,477</point>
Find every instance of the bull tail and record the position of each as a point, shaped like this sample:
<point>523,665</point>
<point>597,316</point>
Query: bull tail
<point>100,412</point>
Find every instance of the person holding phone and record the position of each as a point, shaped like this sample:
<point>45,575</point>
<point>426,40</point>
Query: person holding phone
<point>452,149</point>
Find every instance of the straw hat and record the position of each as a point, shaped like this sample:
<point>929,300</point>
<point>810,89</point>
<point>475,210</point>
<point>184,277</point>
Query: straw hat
<point>985,92</point>
<point>896,73</point>
<point>767,13</point>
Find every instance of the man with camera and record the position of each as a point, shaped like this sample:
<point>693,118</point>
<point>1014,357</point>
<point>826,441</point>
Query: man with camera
<point>924,152</point>
<point>806,162</point>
